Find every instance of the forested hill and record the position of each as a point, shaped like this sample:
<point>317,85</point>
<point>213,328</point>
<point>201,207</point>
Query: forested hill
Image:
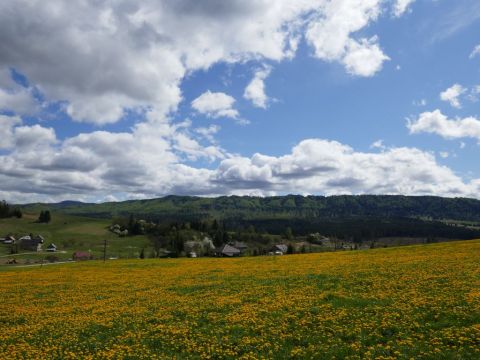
<point>289,206</point>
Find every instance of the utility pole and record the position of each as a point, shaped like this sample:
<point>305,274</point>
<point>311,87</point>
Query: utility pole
<point>104,250</point>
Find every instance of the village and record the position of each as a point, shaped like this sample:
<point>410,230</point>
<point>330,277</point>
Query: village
<point>37,239</point>
<point>17,248</point>
<point>36,245</point>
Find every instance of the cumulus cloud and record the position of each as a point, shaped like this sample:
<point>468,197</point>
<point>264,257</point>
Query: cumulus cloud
<point>435,122</point>
<point>14,97</point>
<point>401,6</point>
<point>7,124</point>
<point>255,90</point>
<point>329,167</point>
<point>89,164</point>
<point>103,57</point>
<point>364,57</point>
<point>32,137</point>
<point>378,145</point>
<point>208,132</point>
<point>215,105</point>
<point>475,52</point>
<point>452,95</point>
<point>331,36</point>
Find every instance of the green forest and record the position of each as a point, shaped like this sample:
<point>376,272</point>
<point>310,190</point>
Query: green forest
<point>355,218</point>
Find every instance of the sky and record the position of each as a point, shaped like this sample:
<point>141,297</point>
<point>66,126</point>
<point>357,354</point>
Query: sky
<point>108,100</point>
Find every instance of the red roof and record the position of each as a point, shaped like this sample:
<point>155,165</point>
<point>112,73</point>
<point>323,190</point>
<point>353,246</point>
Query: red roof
<point>81,254</point>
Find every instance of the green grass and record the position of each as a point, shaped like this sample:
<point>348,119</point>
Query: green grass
<point>70,234</point>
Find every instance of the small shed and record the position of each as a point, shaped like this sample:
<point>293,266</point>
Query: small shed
<point>82,256</point>
<point>227,251</point>
<point>9,239</point>
<point>52,248</point>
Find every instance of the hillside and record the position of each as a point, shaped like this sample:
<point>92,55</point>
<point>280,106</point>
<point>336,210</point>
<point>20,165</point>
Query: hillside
<point>289,206</point>
<point>71,233</point>
<point>405,303</point>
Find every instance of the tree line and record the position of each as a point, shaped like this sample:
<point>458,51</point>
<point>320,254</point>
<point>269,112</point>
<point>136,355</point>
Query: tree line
<point>7,211</point>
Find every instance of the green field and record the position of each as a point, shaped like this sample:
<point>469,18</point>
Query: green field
<point>415,302</point>
<point>71,233</point>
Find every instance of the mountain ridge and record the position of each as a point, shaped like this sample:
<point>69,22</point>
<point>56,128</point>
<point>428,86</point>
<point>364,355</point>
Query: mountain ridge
<point>311,206</point>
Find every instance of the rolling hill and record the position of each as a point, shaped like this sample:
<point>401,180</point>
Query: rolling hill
<point>289,206</point>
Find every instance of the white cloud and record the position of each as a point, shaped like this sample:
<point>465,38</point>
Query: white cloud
<point>103,57</point>
<point>444,154</point>
<point>330,35</point>
<point>88,167</point>
<point>327,167</point>
<point>378,145</point>
<point>215,105</point>
<point>474,92</point>
<point>33,137</point>
<point>14,97</point>
<point>208,132</point>
<point>475,52</point>
<point>452,95</point>
<point>147,161</point>
<point>436,123</point>
<point>421,102</point>
<point>364,57</point>
<point>401,6</point>
<point>255,90</point>
<point>7,124</point>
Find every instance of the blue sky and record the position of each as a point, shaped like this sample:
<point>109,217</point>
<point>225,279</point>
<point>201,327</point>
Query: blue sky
<point>138,99</point>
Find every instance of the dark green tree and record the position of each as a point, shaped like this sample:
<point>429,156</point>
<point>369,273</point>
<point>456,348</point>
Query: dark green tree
<point>44,217</point>
<point>288,233</point>
<point>48,216</point>
<point>290,249</point>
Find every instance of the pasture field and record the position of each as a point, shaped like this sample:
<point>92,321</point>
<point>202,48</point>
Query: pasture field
<point>417,302</point>
<point>71,233</point>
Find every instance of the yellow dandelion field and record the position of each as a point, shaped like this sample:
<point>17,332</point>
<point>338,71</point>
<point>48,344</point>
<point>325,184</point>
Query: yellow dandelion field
<point>420,302</point>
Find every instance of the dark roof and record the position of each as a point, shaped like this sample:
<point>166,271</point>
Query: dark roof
<point>39,237</point>
<point>29,241</point>
<point>239,245</point>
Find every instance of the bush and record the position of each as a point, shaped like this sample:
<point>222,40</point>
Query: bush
<point>51,258</point>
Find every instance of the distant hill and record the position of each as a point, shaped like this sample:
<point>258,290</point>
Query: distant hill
<point>278,207</point>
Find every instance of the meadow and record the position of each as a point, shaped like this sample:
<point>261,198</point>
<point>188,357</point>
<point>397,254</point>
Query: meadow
<point>70,233</point>
<point>416,302</point>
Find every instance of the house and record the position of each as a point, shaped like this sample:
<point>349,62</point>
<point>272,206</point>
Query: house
<point>52,248</point>
<point>9,240</point>
<point>30,243</point>
<point>81,256</point>
<point>240,245</point>
<point>39,238</point>
<point>227,250</point>
<point>279,249</point>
